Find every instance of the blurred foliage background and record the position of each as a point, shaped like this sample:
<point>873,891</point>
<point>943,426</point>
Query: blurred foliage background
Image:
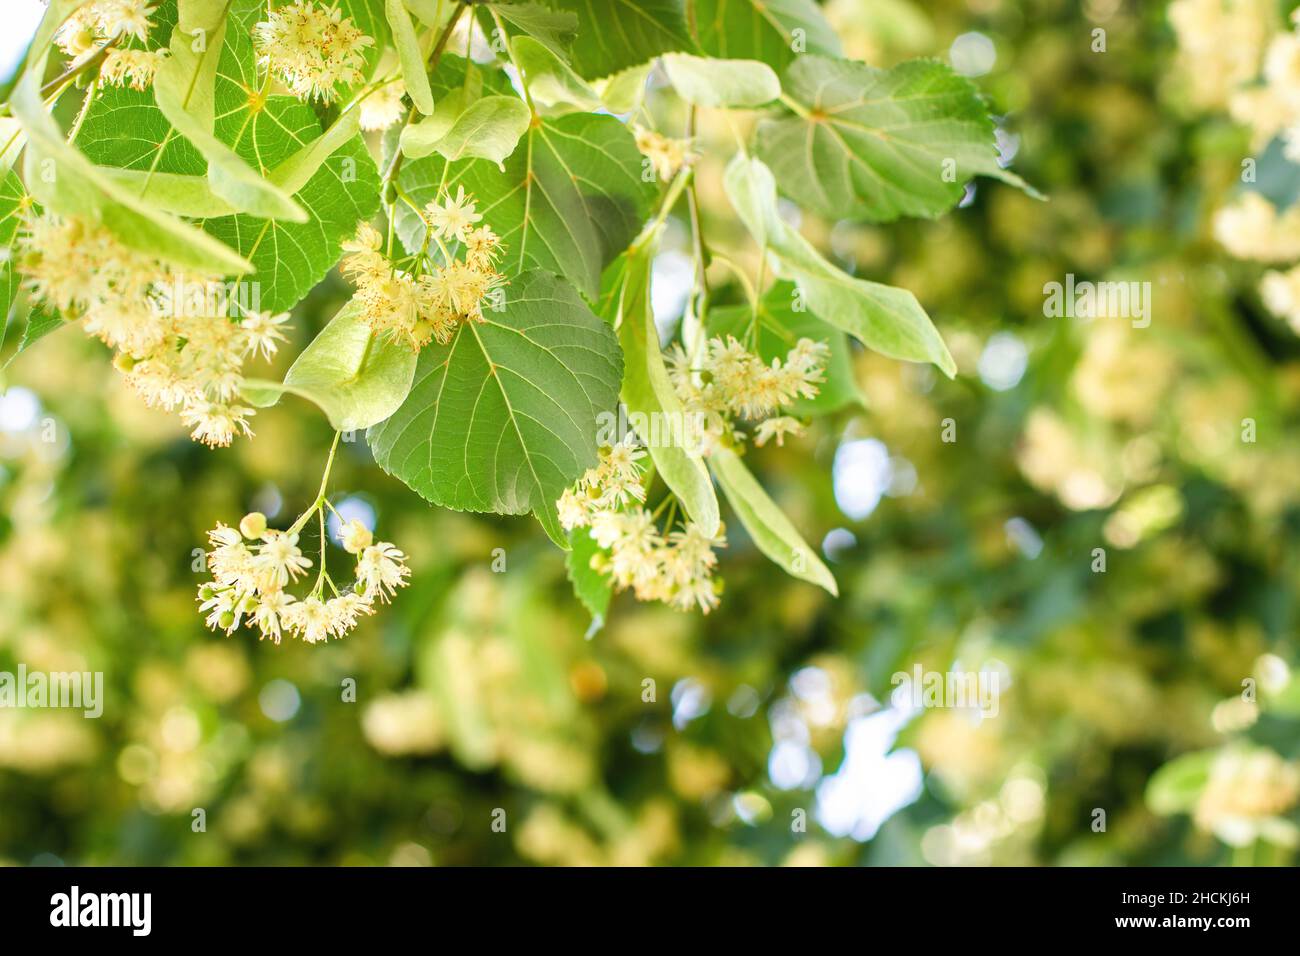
<point>480,692</point>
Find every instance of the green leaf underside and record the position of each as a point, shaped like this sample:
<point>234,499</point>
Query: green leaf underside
<point>761,29</point>
<point>772,532</point>
<point>779,327</point>
<point>616,34</point>
<point>882,317</point>
<point>357,377</point>
<point>879,144</point>
<point>570,200</point>
<point>590,586</point>
<point>504,417</point>
<point>647,389</point>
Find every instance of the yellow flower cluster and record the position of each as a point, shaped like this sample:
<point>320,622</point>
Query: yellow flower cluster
<point>675,568</point>
<point>311,49</point>
<point>176,357</point>
<point>133,68</point>
<point>1220,44</point>
<point>252,565</point>
<point>667,156</point>
<point>729,382</point>
<point>429,300</point>
<point>95,24</point>
<point>383,107</point>
<point>1249,792</point>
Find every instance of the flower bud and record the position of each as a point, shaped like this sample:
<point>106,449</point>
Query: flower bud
<point>356,537</point>
<point>206,592</point>
<point>226,620</point>
<point>253,525</point>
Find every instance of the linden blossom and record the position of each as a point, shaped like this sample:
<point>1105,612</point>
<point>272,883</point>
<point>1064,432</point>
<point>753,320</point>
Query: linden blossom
<point>77,690</point>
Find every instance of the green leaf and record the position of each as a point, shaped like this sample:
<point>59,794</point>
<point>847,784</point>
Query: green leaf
<point>37,325</point>
<point>290,258</point>
<point>570,200</point>
<point>12,141</point>
<point>879,144</point>
<point>590,586</point>
<point>357,377</point>
<point>487,128</point>
<point>410,56</point>
<point>1177,785</point>
<point>882,317</point>
<point>555,29</point>
<point>647,390</point>
<point>12,196</point>
<point>772,31</point>
<point>773,533</point>
<point>184,88</point>
<point>551,81</point>
<point>193,196</point>
<point>78,188</point>
<point>505,416</point>
<point>616,34</point>
<point>724,84</point>
<point>779,325</point>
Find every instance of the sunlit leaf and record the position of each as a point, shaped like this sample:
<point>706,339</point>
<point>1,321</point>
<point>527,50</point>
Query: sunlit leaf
<point>505,416</point>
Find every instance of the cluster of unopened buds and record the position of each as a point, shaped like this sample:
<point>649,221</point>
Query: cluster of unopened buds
<point>253,565</point>
<point>422,297</point>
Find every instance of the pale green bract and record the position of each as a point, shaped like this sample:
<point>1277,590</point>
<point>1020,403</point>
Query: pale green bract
<point>647,390</point>
<point>488,128</point>
<point>410,56</point>
<point>725,84</point>
<point>504,417</point>
<point>185,90</point>
<point>356,376</point>
<point>774,534</point>
<point>882,317</point>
